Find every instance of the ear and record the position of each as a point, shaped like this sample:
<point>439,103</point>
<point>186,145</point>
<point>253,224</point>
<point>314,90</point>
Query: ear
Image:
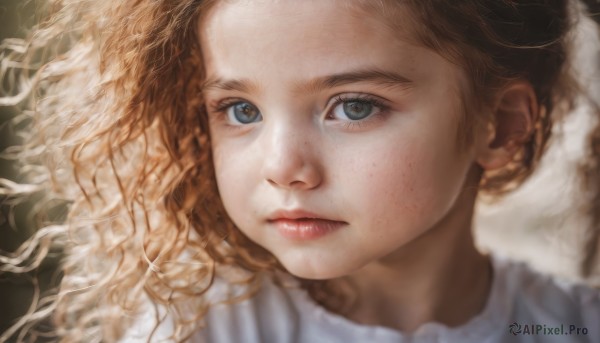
<point>514,115</point>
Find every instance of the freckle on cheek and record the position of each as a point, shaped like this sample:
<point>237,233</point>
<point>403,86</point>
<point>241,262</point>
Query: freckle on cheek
<point>409,188</point>
<point>373,167</point>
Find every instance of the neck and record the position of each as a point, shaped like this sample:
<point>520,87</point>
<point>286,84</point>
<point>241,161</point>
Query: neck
<point>439,277</point>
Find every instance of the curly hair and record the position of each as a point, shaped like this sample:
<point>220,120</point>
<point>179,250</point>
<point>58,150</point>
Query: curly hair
<point>119,133</point>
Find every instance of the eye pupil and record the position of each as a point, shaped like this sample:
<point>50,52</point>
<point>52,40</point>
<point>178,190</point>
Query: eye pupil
<point>245,113</point>
<point>357,109</point>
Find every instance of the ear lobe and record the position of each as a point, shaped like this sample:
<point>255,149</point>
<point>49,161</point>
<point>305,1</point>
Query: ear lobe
<point>514,117</point>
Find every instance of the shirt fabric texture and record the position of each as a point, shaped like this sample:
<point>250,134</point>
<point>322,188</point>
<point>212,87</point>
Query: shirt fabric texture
<point>523,306</point>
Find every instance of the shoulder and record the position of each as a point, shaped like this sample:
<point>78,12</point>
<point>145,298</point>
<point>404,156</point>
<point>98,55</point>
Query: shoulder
<point>268,315</point>
<point>234,314</point>
<point>257,312</point>
<point>549,304</point>
<point>285,313</point>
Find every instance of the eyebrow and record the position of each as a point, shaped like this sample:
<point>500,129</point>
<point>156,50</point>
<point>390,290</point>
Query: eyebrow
<point>374,75</point>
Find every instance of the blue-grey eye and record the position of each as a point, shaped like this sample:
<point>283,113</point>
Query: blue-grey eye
<point>353,110</point>
<point>243,113</point>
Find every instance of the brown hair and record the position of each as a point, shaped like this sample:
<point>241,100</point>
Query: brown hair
<point>140,182</point>
<point>498,42</point>
<point>590,170</point>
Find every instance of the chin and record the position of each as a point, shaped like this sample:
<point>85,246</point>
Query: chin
<point>317,270</point>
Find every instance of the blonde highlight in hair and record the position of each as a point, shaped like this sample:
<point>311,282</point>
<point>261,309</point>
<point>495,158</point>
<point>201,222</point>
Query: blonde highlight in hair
<point>120,135</point>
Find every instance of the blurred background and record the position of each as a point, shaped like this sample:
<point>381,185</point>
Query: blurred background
<point>16,16</point>
<point>543,222</point>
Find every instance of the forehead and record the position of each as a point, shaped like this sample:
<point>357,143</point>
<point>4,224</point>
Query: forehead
<point>275,20</point>
<point>286,40</point>
<point>393,13</point>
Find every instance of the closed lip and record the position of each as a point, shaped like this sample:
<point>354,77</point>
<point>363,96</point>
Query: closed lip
<point>302,225</point>
<point>297,214</point>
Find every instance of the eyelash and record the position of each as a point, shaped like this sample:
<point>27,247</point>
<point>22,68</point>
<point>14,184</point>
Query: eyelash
<point>359,97</point>
<point>222,106</point>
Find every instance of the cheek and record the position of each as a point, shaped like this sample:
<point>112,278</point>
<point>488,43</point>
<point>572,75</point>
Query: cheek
<point>393,186</point>
<point>231,172</point>
<point>411,185</point>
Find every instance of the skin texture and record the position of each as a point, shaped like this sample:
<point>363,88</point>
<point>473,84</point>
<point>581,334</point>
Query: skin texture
<point>398,179</point>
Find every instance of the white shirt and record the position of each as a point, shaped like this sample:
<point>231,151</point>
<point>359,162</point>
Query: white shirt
<point>539,309</point>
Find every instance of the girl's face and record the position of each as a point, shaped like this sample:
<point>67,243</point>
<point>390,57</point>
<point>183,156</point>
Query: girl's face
<point>322,110</point>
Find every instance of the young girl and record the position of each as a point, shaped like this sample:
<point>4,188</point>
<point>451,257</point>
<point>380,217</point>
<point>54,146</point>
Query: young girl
<point>295,171</point>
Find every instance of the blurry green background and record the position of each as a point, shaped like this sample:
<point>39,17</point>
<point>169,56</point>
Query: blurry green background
<point>16,17</point>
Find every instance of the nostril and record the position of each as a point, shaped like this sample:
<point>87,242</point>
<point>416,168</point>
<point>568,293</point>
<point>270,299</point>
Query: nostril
<point>294,183</point>
<point>294,173</point>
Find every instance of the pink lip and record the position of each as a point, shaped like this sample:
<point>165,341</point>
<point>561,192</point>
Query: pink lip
<point>303,225</point>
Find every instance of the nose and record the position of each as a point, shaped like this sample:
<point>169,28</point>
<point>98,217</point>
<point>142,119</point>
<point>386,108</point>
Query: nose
<point>290,161</point>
